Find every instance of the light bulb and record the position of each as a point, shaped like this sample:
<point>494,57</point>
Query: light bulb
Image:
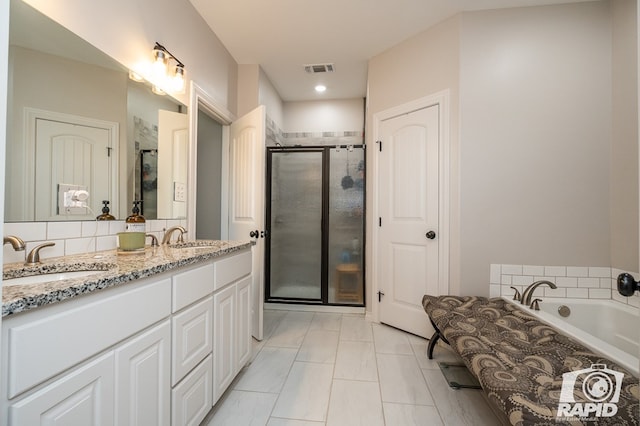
<point>159,67</point>
<point>177,82</point>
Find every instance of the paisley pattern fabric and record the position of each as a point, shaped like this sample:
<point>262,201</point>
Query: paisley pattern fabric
<point>519,361</point>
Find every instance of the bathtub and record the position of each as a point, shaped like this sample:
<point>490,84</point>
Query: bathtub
<point>605,326</point>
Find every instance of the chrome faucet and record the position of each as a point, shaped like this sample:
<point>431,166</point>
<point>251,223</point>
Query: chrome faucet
<point>167,235</point>
<point>33,258</point>
<point>16,242</point>
<point>528,293</point>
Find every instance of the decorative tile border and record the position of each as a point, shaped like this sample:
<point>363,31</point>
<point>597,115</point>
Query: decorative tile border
<point>579,282</point>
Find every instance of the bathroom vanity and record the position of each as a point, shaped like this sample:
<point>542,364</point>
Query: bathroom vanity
<point>154,337</point>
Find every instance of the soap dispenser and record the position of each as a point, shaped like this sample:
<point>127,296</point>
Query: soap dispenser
<point>105,212</point>
<point>135,222</point>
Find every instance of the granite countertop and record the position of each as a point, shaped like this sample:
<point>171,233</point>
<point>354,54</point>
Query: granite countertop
<point>112,268</point>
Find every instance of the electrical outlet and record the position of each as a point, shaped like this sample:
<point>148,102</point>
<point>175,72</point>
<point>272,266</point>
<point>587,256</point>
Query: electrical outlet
<point>72,199</point>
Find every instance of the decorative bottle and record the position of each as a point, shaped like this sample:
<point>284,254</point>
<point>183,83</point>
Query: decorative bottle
<point>135,222</point>
<point>105,212</point>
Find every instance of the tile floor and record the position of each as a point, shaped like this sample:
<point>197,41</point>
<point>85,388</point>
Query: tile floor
<point>339,369</point>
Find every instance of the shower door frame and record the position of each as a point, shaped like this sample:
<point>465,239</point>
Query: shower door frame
<point>324,267</point>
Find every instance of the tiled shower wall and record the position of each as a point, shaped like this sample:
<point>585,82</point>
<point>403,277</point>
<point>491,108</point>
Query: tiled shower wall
<point>75,237</point>
<point>579,282</point>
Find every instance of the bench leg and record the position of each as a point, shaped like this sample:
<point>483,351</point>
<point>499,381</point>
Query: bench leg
<point>432,344</point>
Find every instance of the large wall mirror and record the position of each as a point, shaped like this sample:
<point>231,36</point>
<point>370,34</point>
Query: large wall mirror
<point>75,121</point>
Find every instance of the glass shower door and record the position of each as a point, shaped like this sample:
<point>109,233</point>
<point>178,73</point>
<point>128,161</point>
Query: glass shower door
<point>346,226</point>
<point>295,217</point>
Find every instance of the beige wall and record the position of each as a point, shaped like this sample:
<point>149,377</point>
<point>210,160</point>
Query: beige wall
<point>127,31</point>
<point>423,65</point>
<point>535,138</point>
<point>337,115</point>
<point>255,88</point>
<point>624,146</point>
<point>248,88</point>
<point>269,97</point>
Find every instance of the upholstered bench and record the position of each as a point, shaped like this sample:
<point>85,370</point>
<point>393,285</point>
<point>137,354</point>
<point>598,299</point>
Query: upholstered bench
<point>520,361</point>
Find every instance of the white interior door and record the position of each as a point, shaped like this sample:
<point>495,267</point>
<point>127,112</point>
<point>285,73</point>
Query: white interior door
<point>246,198</point>
<point>408,206</point>
<point>72,154</point>
<point>173,156</point>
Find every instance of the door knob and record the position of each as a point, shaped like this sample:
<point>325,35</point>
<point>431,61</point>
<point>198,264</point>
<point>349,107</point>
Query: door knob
<point>254,234</point>
<point>430,235</point>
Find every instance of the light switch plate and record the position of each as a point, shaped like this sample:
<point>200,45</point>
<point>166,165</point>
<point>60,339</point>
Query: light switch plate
<point>179,191</point>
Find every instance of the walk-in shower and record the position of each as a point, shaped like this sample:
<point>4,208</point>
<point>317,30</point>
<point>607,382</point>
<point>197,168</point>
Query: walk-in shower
<point>315,224</point>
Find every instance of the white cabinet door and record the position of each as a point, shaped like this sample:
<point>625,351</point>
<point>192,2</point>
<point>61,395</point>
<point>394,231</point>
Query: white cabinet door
<point>243,331</point>
<point>81,398</point>
<point>192,338</point>
<point>142,378</point>
<point>224,370</point>
<point>191,400</point>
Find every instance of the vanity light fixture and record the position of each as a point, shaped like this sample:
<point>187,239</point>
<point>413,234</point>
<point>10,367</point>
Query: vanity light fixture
<point>164,76</point>
<point>174,77</point>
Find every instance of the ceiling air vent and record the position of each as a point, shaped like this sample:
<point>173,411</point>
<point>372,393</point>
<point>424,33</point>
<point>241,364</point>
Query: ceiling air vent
<point>316,68</point>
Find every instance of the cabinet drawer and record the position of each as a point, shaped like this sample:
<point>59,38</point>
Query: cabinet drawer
<point>232,268</point>
<point>192,337</point>
<point>191,285</point>
<point>191,400</point>
<point>72,332</point>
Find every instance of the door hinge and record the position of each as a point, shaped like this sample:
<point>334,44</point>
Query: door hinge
<point>380,222</point>
<point>109,151</point>
<point>380,294</point>
<point>379,145</point>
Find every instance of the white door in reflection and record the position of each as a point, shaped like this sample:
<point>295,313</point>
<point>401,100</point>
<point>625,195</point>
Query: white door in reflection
<point>72,154</point>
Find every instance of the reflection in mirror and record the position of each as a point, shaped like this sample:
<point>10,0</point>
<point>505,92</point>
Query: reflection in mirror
<point>75,121</point>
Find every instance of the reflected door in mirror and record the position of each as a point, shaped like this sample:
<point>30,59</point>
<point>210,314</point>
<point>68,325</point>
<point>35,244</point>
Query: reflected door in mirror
<point>68,154</point>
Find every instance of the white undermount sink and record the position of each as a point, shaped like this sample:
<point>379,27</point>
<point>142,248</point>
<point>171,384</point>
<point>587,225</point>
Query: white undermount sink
<point>45,278</point>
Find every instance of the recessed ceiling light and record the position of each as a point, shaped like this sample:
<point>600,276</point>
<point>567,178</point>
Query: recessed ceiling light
<point>320,88</point>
